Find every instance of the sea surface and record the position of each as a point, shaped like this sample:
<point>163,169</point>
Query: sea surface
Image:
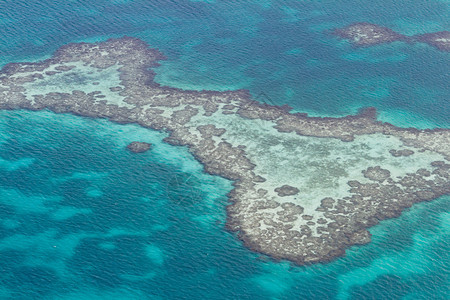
<point>82,218</point>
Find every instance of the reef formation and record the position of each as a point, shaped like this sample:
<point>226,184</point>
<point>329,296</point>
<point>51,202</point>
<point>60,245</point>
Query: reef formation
<point>365,34</point>
<point>139,147</point>
<point>305,188</point>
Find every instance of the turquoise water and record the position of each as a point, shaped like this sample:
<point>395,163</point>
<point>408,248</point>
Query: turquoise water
<point>82,218</point>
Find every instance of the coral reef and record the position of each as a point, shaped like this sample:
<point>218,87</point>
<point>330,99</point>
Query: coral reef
<point>365,34</point>
<point>139,147</point>
<point>440,40</point>
<point>305,188</point>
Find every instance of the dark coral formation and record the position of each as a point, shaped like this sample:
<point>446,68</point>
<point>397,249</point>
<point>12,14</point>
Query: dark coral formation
<point>377,174</point>
<point>139,147</point>
<point>286,190</point>
<point>274,225</point>
<point>365,34</point>
<point>403,152</point>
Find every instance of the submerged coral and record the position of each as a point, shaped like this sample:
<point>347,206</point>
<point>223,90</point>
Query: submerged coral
<point>139,147</point>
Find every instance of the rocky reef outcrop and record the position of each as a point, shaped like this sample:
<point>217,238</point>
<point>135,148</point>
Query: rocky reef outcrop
<point>139,147</point>
<point>365,34</point>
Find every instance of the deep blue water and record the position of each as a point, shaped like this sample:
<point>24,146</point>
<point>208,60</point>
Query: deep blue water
<point>82,218</point>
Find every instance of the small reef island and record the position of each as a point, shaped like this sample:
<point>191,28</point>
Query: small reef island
<point>305,188</point>
<point>366,34</point>
<point>139,147</point>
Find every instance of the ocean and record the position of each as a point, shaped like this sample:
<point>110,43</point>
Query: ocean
<point>83,218</point>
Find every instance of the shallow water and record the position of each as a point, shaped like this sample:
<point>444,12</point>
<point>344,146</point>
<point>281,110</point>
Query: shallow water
<point>81,217</point>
